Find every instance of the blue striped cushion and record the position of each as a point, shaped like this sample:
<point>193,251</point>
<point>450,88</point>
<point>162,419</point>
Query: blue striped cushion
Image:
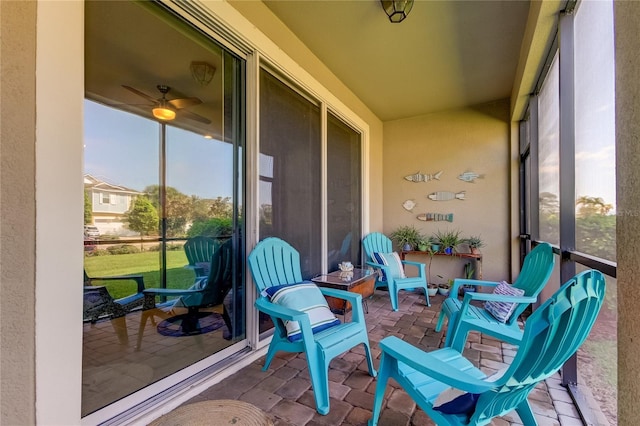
<point>304,297</point>
<point>503,310</point>
<point>392,260</point>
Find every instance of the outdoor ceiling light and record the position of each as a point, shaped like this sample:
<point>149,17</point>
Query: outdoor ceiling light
<point>397,10</point>
<point>163,112</point>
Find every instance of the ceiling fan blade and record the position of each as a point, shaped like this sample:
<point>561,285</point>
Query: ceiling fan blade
<point>184,102</point>
<point>142,94</point>
<point>193,116</point>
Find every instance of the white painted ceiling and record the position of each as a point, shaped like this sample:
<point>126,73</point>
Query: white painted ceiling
<point>445,54</point>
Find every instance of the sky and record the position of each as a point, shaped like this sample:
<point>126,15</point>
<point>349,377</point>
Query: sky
<point>123,149</point>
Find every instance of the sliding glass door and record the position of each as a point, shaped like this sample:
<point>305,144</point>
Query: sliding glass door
<point>164,222</point>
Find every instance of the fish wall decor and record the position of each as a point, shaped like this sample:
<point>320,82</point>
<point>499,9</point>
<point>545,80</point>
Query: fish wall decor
<point>421,177</point>
<point>446,195</point>
<point>470,177</point>
<point>436,217</point>
<point>409,205</point>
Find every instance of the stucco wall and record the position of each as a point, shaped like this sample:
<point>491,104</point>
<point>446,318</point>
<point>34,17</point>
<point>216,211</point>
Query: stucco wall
<point>17,212</point>
<point>470,139</point>
<point>627,21</point>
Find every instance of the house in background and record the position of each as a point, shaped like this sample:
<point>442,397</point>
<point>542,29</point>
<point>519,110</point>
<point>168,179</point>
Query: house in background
<point>109,203</point>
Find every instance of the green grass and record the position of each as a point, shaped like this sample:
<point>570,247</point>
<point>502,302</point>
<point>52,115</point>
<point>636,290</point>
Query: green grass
<point>146,264</point>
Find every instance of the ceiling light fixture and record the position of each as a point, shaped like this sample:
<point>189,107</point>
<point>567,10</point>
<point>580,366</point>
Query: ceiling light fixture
<point>202,72</point>
<point>397,10</point>
<point>163,112</point>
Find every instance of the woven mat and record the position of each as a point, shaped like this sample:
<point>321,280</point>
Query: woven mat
<point>213,413</point>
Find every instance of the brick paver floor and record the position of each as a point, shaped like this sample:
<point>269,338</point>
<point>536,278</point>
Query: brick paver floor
<point>284,391</point>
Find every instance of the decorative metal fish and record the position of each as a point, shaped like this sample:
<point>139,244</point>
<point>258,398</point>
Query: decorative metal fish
<point>409,205</point>
<point>421,177</point>
<point>446,195</point>
<point>436,217</point>
<point>470,177</point>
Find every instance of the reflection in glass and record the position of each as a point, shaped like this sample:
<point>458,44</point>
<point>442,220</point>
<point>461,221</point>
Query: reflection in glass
<point>289,189</point>
<point>343,193</point>
<point>548,156</point>
<point>152,186</point>
<point>595,130</point>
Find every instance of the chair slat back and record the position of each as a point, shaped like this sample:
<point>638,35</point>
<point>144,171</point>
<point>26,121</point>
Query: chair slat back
<point>274,262</point>
<point>376,243</point>
<point>552,334</point>
<point>200,249</point>
<point>534,275</point>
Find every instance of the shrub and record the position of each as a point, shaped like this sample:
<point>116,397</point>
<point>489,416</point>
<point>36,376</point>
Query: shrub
<point>123,249</point>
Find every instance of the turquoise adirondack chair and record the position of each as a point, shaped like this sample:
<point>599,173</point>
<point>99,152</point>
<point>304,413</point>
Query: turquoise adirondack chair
<point>380,243</point>
<point>465,317</point>
<point>199,249</point>
<point>553,333</point>
<point>206,291</point>
<point>273,262</point>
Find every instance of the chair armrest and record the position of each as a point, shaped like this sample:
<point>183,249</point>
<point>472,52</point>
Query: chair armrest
<point>433,366</point>
<point>357,313</point>
<point>170,291</point>
<point>281,312</point>
<point>139,279</point>
<point>468,297</point>
<point>464,281</point>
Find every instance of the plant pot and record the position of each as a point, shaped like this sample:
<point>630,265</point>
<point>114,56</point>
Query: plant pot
<point>448,250</point>
<point>422,247</point>
<point>435,248</point>
<point>468,289</point>
<point>432,290</point>
<point>407,247</point>
<point>443,290</point>
<point>475,250</point>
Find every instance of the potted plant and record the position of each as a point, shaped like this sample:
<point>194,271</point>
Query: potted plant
<point>474,242</point>
<point>406,237</point>
<point>432,289</point>
<point>468,274</point>
<point>444,289</point>
<point>424,244</point>
<point>449,240</point>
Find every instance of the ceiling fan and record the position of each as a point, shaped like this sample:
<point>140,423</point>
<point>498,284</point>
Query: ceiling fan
<point>165,109</point>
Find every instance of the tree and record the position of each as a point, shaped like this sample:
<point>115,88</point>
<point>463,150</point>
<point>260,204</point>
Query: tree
<point>178,208</point>
<point>88,208</point>
<point>221,207</point>
<point>142,217</point>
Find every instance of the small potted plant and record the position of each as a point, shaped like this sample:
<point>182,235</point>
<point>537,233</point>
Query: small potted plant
<point>444,288</point>
<point>474,242</point>
<point>449,240</point>
<point>468,274</point>
<point>424,244</point>
<point>407,237</point>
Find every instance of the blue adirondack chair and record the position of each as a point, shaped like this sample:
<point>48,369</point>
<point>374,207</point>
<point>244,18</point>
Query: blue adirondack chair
<point>199,249</point>
<point>273,262</point>
<point>380,243</point>
<point>206,291</point>
<point>465,317</point>
<point>552,334</point>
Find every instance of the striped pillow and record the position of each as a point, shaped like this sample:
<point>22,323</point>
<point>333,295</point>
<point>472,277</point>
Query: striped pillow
<point>304,297</point>
<point>503,310</point>
<point>392,260</point>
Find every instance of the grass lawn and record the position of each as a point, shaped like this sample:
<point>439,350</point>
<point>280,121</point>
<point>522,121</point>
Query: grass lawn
<point>146,264</point>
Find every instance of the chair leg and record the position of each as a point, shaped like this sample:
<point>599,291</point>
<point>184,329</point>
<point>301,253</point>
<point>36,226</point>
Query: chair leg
<point>426,295</point>
<point>456,338</point>
<point>526,414</point>
<point>383,377</point>
<point>440,320</point>
<point>367,351</point>
<point>271,352</point>
<point>319,374</point>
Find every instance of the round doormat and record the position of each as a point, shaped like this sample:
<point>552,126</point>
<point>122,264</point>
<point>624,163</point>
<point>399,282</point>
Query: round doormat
<point>206,323</point>
<point>215,412</point>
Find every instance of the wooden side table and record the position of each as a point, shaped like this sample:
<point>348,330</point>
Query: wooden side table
<point>360,281</point>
